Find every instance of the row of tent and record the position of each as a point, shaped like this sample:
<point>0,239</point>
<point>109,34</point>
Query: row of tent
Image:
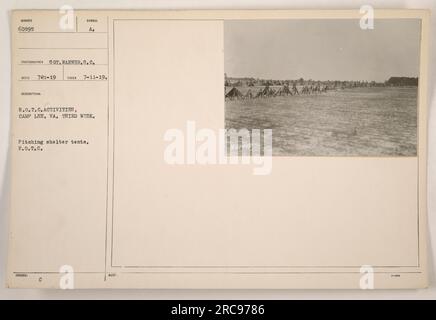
<point>267,91</point>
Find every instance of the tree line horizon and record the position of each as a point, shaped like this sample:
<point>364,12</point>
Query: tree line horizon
<point>253,82</point>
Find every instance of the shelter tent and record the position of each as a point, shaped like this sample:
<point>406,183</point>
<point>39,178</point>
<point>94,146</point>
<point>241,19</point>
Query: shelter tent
<point>234,94</point>
<point>267,92</point>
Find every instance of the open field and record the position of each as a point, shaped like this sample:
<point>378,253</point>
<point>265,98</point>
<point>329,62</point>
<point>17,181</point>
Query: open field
<point>374,121</point>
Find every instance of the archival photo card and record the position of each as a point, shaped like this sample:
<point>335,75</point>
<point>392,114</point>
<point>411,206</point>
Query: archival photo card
<point>120,128</point>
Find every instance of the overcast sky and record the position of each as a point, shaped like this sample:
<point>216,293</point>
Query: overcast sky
<point>321,49</point>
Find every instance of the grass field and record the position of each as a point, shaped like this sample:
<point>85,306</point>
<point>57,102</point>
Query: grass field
<point>378,121</point>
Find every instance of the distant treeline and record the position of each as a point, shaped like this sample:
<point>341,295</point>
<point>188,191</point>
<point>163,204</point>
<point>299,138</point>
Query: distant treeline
<point>402,81</point>
<point>252,82</point>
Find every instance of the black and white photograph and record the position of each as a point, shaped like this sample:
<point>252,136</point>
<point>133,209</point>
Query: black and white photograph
<point>325,87</point>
